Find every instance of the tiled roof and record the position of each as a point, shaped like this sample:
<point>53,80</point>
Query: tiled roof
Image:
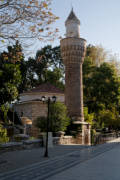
<point>47,87</point>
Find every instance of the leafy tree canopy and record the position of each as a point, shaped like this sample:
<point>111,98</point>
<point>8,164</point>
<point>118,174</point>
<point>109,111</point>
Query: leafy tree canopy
<point>47,66</point>
<point>10,76</point>
<point>103,88</point>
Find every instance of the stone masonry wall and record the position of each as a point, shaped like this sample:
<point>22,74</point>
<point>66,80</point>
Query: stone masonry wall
<point>24,109</point>
<point>32,110</point>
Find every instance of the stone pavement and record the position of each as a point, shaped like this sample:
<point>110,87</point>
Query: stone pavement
<point>72,163</point>
<point>106,166</point>
<point>21,158</point>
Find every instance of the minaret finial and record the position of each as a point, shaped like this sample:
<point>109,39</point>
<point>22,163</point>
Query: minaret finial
<point>71,6</point>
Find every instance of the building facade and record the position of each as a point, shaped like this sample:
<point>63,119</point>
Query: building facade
<point>30,106</point>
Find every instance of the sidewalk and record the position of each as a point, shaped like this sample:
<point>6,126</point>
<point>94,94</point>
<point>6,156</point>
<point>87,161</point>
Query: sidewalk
<point>65,162</point>
<point>103,167</point>
<point>17,159</point>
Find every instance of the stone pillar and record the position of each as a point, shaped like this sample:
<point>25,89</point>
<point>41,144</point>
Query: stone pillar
<point>87,134</point>
<point>50,139</point>
<point>83,134</point>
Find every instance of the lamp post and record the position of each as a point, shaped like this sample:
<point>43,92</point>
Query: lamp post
<point>48,100</point>
<point>14,109</point>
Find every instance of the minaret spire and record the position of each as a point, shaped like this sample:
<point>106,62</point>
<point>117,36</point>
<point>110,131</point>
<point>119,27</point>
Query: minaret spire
<point>71,6</point>
<point>72,25</point>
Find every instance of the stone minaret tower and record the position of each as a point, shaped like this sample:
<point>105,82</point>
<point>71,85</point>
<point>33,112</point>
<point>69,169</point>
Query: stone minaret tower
<point>73,51</point>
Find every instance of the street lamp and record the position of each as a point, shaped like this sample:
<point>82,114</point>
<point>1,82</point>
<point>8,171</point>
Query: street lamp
<point>48,100</point>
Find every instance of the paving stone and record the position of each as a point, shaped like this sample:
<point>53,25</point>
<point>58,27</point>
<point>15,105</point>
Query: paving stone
<point>55,165</point>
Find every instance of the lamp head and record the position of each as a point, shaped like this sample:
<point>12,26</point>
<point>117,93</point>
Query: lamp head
<point>54,98</point>
<point>43,98</point>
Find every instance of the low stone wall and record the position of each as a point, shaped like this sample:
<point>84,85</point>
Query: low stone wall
<point>27,144</point>
<point>63,140</point>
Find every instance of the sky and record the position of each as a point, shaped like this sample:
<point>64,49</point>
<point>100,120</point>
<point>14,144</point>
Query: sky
<point>100,21</point>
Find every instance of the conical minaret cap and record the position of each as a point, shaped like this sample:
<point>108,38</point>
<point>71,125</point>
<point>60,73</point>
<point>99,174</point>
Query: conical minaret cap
<point>72,17</point>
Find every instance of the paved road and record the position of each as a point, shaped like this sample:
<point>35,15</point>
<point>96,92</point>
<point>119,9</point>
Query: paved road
<point>85,164</point>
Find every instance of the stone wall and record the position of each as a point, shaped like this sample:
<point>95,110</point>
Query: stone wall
<point>24,109</point>
<point>32,110</point>
<point>68,140</point>
<point>13,146</point>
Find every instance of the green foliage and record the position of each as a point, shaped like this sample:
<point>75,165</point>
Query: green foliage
<point>55,77</point>
<point>41,123</point>
<point>97,54</point>
<point>3,112</point>
<point>47,66</point>
<point>50,57</point>
<point>109,118</point>
<point>93,134</point>
<point>10,77</point>
<point>101,88</point>
<point>9,80</point>
<point>3,135</point>
<point>59,119</point>
<point>88,117</point>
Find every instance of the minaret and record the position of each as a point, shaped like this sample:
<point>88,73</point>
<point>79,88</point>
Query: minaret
<point>73,52</point>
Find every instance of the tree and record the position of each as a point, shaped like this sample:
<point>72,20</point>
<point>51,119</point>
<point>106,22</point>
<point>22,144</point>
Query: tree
<point>105,86</point>
<point>10,77</point>
<point>101,86</point>
<point>26,19</point>
<point>88,70</point>
<point>109,119</point>
<point>50,56</point>
<point>113,59</point>
<point>59,119</point>
<point>3,135</point>
<point>55,77</point>
<point>97,54</point>
<point>101,90</point>
<point>47,66</point>
<point>9,81</point>
<point>88,117</point>
<point>29,76</point>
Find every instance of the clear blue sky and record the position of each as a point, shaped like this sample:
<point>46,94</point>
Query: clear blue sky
<point>100,21</point>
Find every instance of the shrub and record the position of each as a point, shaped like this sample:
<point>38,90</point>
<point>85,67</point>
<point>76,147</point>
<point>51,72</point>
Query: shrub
<point>59,119</point>
<point>3,135</point>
